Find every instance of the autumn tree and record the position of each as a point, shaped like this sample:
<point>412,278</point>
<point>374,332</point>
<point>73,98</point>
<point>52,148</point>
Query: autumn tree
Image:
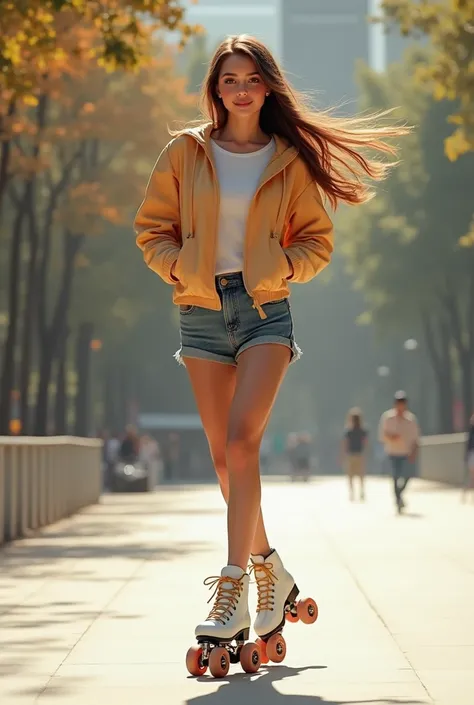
<point>403,246</point>
<point>449,73</point>
<point>75,147</point>
<point>32,40</point>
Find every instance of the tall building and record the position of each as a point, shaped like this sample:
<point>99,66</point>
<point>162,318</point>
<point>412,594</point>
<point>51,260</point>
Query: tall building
<point>321,43</point>
<point>223,17</point>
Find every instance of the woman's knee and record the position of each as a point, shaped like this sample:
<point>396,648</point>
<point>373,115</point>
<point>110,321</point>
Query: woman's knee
<point>218,455</point>
<point>243,445</point>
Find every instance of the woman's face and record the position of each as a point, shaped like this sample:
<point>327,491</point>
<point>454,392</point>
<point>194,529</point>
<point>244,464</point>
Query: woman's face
<point>240,86</point>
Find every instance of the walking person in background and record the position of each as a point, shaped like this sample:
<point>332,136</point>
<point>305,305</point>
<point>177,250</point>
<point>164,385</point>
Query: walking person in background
<point>130,446</point>
<point>233,213</point>
<point>353,452</point>
<point>400,434</point>
<point>469,481</point>
<point>112,449</point>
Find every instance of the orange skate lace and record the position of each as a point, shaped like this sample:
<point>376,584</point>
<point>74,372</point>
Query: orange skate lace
<point>265,584</point>
<point>227,597</point>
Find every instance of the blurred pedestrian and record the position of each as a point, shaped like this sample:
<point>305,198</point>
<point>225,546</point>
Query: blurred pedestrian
<point>130,446</point>
<point>469,482</point>
<point>400,434</point>
<point>353,452</point>
<point>299,450</point>
<point>150,458</point>
<point>111,453</point>
<point>233,212</point>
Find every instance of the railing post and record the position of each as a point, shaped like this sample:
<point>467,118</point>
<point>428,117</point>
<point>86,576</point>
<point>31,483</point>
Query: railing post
<point>12,494</point>
<point>23,489</point>
<point>2,494</point>
<point>42,479</point>
<point>34,487</point>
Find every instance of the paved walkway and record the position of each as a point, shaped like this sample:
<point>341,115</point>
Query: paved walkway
<point>101,608</point>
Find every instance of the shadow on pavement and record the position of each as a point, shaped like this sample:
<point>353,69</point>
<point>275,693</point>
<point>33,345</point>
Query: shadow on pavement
<point>259,690</point>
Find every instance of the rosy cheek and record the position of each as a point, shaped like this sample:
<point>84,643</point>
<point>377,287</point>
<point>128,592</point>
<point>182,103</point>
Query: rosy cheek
<point>257,90</point>
<point>228,90</point>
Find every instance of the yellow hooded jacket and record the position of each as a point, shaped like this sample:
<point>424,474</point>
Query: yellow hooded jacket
<point>178,218</point>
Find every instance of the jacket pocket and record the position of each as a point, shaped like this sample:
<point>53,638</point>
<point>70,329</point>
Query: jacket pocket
<point>283,268</point>
<point>186,262</point>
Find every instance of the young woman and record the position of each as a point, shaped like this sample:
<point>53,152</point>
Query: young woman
<point>354,451</point>
<point>233,212</point>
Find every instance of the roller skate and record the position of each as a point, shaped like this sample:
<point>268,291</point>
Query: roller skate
<point>222,637</point>
<point>277,603</point>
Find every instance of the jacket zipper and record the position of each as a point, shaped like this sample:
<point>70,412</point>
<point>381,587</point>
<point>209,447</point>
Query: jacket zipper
<point>218,205</point>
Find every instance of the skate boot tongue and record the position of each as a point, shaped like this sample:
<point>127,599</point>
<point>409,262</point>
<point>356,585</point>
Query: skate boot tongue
<point>259,560</point>
<point>232,571</point>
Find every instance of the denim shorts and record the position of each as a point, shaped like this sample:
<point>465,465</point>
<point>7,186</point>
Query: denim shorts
<point>221,336</point>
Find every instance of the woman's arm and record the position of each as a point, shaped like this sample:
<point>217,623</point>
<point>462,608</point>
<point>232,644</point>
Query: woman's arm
<point>157,223</point>
<point>310,236</point>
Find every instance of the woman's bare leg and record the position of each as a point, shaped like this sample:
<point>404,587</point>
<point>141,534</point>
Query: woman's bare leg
<point>260,371</point>
<point>213,385</point>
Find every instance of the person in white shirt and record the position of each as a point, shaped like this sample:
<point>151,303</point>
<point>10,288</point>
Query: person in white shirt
<point>400,433</point>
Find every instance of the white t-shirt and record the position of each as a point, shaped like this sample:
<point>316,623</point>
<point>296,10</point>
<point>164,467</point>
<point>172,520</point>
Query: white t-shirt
<point>239,176</point>
<point>406,427</point>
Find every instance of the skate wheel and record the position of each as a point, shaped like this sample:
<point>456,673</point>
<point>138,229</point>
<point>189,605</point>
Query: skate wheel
<point>307,610</point>
<point>219,662</point>
<point>276,648</point>
<point>194,662</point>
<point>263,651</point>
<point>292,618</point>
<point>250,658</point>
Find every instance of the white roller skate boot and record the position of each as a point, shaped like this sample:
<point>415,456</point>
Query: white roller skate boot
<point>277,593</point>
<point>228,622</point>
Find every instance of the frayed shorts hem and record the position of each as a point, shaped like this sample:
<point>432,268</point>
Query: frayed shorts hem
<point>187,351</point>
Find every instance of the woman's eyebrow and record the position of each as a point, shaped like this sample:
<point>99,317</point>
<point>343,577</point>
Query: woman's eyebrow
<point>253,73</point>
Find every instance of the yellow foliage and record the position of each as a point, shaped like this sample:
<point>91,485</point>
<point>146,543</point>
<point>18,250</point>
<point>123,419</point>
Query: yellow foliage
<point>30,100</point>
<point>456,145</point>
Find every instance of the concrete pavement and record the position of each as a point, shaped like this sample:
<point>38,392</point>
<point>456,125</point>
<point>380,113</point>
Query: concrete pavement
<point>102,607</point>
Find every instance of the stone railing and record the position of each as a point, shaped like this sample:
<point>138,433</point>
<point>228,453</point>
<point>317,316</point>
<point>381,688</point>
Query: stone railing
<point>45,479</point>
<point>442,458</point>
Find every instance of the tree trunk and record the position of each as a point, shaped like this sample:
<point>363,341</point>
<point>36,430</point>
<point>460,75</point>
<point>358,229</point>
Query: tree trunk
<point>110,398</point>
<point>5,154</point>
<point>30,308</point>
<point>29,322</point>
<point>60,406</point>
<point>440,358</point>
<point>49,341</point>
<point>83,352</point>
<point>7,382</point>
<point>462,341</point>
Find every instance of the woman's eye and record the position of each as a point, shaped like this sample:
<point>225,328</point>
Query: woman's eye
<point>229,80</point>
<point>255,79</point>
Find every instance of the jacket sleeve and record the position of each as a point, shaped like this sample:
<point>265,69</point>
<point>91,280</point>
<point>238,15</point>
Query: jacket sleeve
<point>310,241</point>
<point>157,223</point>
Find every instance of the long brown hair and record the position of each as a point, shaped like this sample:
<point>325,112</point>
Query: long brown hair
<point>329,145</point>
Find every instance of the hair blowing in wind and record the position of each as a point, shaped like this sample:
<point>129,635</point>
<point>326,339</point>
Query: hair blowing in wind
<point>335,149</point>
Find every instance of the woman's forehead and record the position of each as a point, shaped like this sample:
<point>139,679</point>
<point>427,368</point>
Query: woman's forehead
<point>238,64</point>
